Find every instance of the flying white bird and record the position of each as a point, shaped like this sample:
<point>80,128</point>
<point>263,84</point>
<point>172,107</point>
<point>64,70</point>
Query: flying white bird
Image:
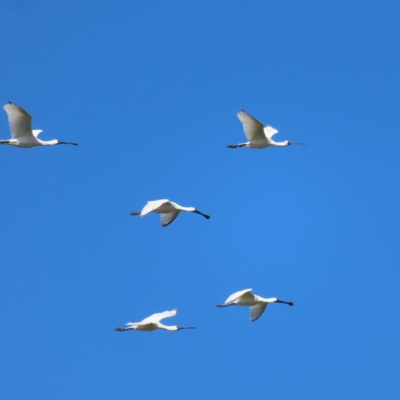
<point>258,136</point>
<point>246,298</point>
<point>153,322</point>
<point>21,129</point>
<point>168,210</point>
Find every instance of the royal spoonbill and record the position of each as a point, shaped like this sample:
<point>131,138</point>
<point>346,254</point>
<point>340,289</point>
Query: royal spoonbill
<point>246,298</point>
<point>21,129</point>
<point>168,210</point>
<point>153,322</point>
<point>258,136</point>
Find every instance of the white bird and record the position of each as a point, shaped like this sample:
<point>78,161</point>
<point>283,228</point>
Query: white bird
<point>246,298</point>
<point>168,210</point>
<point>153,322</point>
<point>258,137</point>
<point>21,129</point>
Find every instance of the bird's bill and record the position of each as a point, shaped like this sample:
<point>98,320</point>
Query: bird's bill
<point>74,144</point>
<point>135,213</point>
<point>204,215</point>
<point>185,327</point>
<point>300,144</point>
<point>285,302</point>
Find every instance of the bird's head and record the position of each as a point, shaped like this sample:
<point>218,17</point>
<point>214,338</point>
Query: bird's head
<point>289,143</point>
<point>290,303</point>
<point>198,212</point>
<point>178,328</point>
<point>60,142</point>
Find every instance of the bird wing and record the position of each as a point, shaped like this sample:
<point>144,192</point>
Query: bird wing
<point>238,294</point>
<point>253,129</point>
<point>167,218</point>
<point>270,131</point>
<point>257,310</point>
<point>159,316</point>
<point>151,206</point>
<point>20,121</point>
<point>36,132</point>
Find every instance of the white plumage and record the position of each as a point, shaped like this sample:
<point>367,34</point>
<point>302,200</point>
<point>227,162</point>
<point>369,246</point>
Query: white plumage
<point>153,322</point>
<point>256,303</point>
<point>168,210</point>
<point>258,137</point>
<point>21,129</point>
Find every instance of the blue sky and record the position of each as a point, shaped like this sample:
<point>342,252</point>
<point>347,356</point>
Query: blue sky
<point>150,91</point>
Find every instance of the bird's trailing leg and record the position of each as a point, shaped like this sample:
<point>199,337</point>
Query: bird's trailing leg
<point>225,305</point>
<point>4,142</point>
<point>232,146</point>
<point>135,213</point>
<point>121,329</point>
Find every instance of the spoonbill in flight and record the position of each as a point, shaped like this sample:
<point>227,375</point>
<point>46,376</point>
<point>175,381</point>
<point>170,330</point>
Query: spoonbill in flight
<point>246,298</point>
<point>168,210</point>
<point>153,322</point>
<point>258,136</point>
<point>21,129</point>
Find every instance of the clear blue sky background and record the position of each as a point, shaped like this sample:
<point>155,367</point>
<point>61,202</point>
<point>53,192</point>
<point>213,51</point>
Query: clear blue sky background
<point>150,91</point>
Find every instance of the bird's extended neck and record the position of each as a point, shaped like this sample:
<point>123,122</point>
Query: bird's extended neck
<point>174,328</point>
<point>279,144</point>
<point>186,209</point>
<point>54,142</point>
<point>48,142</point>
<point>275,300</point>
<point>167,328</point>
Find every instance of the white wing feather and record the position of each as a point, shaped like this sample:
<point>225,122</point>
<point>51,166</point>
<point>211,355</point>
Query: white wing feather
<point>36,132</point>
<point>257,310</point>
<point>167,218</point>
<point>159,316</point>
<point>253,129</point>
<point>270,131</point>
<point>20,121</point>
<point>234,296</point>
<point>151,206</point>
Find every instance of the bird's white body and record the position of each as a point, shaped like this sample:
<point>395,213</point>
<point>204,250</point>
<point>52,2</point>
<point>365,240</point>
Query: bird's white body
<point>21,130</point>
<point>258,136</point>
<point>153,322</point>
<point>256,303</point>
<point>168,210</point>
